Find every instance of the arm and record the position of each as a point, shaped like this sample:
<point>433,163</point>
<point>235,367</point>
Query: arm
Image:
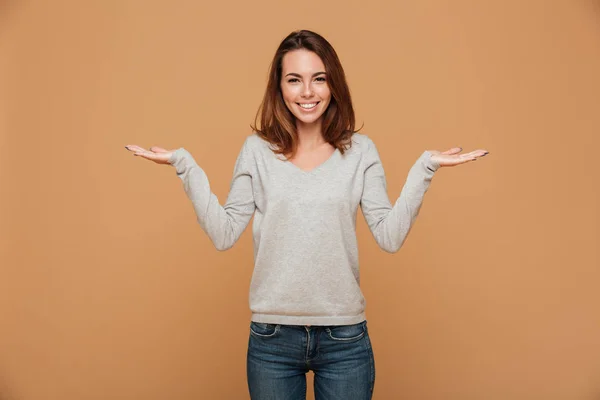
<point>222,224</point>
<point>390,225</point>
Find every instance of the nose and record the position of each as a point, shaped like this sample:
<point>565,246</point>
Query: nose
<point>307,90</point>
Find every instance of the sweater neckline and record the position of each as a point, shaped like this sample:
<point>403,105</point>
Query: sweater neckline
<point>293,166</point>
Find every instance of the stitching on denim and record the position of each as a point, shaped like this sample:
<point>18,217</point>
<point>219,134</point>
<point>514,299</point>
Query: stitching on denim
<point>266,336</point>
<point>371,363</point>
<point>346,339</point>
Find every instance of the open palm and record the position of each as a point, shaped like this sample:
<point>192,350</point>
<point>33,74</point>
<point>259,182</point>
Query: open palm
<point>156,154</point>
<point>450,158</point>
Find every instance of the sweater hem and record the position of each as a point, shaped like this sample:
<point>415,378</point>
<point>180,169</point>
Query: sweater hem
<point>307,320</point>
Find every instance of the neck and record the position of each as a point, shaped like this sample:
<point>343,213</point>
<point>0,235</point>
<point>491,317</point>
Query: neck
<point>310,136</point>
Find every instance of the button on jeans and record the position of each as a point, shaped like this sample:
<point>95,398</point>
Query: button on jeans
<point>279,356</point>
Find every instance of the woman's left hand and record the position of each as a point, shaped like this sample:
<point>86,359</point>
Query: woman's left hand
<point>450,158</point>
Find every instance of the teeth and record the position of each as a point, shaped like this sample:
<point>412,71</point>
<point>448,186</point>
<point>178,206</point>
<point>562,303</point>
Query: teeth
<point>311,105</point>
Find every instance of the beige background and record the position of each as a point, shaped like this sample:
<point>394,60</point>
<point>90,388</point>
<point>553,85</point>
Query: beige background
<point>110,290</point>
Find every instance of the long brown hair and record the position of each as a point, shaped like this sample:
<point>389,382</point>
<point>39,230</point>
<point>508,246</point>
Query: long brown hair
<point>277,123</point>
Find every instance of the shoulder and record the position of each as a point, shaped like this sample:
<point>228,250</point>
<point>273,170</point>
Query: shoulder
<point>360,139</point>
<point>363,143</point>
<point>254,143</point>
<point>256,148</point>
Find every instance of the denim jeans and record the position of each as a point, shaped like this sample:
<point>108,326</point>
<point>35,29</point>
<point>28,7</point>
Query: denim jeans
<point>279,356</point>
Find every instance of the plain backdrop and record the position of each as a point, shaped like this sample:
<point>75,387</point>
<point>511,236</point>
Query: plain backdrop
<point>109,289</point>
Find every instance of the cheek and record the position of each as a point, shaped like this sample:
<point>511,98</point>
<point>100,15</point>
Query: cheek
<point>288,94</point>
<point>325,93</point>
<point>324,90</point>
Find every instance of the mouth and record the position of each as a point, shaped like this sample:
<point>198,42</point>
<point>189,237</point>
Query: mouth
<point>308,106</point>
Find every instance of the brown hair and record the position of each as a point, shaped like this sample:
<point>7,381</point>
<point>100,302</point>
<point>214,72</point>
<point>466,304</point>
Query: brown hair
<point>277,123</point>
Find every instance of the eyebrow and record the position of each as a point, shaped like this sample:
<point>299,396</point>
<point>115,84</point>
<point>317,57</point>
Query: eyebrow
<point>300,76</point>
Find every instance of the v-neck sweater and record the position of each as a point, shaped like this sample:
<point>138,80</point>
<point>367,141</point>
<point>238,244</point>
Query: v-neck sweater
<point>306,268</point>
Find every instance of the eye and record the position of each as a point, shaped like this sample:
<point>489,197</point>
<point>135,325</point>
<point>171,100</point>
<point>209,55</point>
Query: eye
<point>322,79</point>
<point>293,80</point>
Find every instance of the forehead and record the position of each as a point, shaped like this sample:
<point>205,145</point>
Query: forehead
<point>301,61</point>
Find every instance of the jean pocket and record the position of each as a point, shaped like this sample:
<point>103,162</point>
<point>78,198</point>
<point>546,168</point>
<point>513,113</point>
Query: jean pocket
<point>346,333</point>
<point>264,330</point>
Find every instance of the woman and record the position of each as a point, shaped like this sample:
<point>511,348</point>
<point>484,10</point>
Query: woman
<point>302,173</point>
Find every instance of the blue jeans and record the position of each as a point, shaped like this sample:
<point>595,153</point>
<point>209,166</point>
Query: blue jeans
<point>279,356</point>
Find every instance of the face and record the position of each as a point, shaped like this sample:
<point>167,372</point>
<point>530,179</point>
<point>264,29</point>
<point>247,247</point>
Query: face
<point>304,86</point>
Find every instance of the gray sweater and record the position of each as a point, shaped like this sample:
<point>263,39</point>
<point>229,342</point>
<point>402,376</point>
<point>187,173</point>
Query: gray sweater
<point>304,230</point>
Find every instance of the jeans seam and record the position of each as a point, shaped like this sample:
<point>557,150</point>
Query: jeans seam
<point>307,344</point>
<point>371,363</point>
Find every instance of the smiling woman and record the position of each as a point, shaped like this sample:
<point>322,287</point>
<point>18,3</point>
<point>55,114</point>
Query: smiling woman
<point>308,310</point>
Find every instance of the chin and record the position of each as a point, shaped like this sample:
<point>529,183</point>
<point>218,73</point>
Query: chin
<point>306,120</point>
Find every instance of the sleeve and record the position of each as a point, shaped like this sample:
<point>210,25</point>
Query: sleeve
<point>390,225</point>
<point>222,224</point>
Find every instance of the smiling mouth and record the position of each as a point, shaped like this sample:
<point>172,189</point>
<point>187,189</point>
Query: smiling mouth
<point>308,106</point>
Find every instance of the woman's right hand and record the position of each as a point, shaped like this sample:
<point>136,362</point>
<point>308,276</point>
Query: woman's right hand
<point>156,154</point>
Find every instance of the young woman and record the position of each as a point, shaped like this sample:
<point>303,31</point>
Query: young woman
<point>302,173</point>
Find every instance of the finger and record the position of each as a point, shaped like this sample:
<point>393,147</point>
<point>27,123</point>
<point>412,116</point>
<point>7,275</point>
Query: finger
<point>476,153</point>
<point>468,157</point>
<point>456,160</point>
<point>133,147</point>
<point>160,158</point>
<point>157,149</point>
<point>464,158</point>
<point>147,155</point>
<point>454,150</point>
